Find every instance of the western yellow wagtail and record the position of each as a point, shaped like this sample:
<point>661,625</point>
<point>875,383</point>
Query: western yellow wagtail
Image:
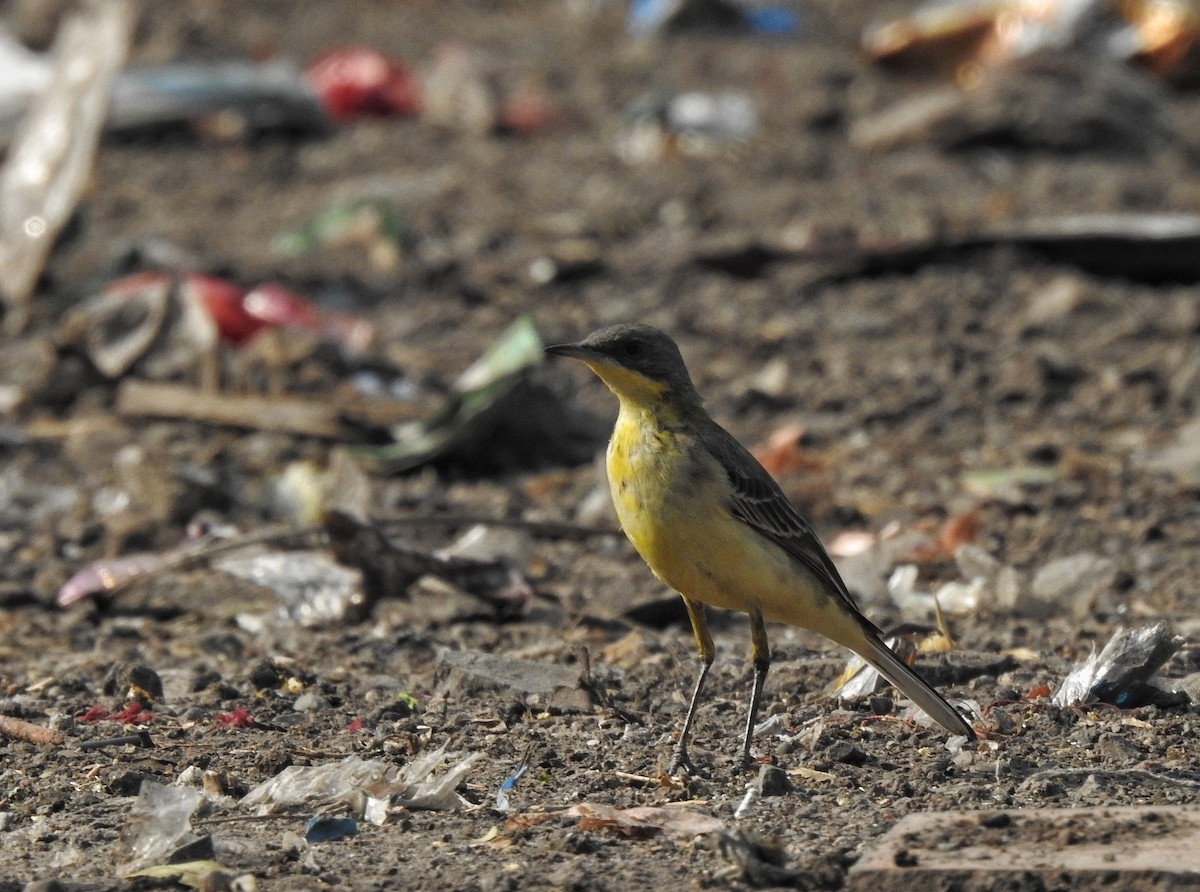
<point>715,526</point>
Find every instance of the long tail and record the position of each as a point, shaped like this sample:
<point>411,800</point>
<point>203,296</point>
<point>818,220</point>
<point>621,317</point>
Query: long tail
<point>870,647</point>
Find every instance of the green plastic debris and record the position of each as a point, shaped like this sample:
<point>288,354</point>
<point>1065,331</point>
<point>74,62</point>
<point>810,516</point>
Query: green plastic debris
<point>497,416</point>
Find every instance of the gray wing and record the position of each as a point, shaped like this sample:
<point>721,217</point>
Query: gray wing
<point>758,502</point>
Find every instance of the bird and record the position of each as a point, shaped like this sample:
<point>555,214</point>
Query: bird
<point>715,526</point>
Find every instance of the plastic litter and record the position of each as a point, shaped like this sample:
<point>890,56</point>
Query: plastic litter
<point>50,159</point>
<point>315,589</point>
<point>651,17</point>
<point>510,783</point>
<point>159,823</point>
<point>1119,674</point>
<point>366,789</point>
<point>324,829</point>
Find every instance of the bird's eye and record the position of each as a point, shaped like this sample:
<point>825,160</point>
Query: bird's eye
<point>633,349</point>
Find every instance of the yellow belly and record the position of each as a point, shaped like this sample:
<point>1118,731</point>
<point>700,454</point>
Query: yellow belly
<point>671,500</point>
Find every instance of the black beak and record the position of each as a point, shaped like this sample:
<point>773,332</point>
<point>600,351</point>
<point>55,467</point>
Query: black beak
<point>574,351</point>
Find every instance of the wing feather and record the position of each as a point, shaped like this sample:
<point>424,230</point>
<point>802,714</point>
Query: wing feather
<point>758,502</point>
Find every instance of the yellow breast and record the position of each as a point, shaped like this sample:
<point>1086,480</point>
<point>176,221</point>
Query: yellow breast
<point>672,498</point>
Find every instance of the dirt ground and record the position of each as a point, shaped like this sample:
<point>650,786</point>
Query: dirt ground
<point>909,385</point>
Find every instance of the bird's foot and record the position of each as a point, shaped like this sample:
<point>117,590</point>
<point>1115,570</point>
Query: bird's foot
<point>743,763</point>
<point>681,762</point>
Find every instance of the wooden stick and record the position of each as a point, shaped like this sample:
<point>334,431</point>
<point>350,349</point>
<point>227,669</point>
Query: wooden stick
<point>28,731</point>
<point>276,414</point>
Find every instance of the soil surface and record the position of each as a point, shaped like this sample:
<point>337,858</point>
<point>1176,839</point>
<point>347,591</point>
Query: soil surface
<point>911,385</point>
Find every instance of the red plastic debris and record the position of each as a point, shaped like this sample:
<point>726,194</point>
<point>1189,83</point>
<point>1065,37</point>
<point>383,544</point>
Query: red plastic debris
<point>240,314</point>
<point>356,725</point>
<point>356,81</point>
<point>239,718</point>
<point>132,714</point>
<point>224,301</point>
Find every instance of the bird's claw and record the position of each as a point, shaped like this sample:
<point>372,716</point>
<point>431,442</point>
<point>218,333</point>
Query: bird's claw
<point>742,764</point>
<point>680,761</point>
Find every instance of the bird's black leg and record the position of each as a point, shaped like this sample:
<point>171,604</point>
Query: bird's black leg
<point>760,653</point>
<point>705,643</point>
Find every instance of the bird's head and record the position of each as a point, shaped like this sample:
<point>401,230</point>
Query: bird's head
<point>639,363</point>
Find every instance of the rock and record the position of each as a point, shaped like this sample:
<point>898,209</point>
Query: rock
<point>773,781</point>
<point>1132,847</point>
<point>463,672</point>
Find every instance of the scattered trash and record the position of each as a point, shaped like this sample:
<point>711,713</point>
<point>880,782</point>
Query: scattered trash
<point>109,575</point>
<point>373,225</point>
<point>753,794</point>
<point>240,314</point>
<point>983,583</point>
<point>239,718</point>
<point>510,783</point>
<point>1007,484</point>
<point>860,679</point>
<point>644,821</point>
<point>936,36</point>
<point>661,125</point>
<point>463,91</point>
<point>142,739</point>
<point>1120,673</point>
<point>389,567</point>
<point>231,98</point>
<point>496,416</point>
<point>143,318</point>
<point>942,35</point>
<point>50,159</point>
<point>106,575</point>
<point>133,714</point>
<point>367,789</point>
<point>1064,105</point>
<point>650,17</point>
<point>1070,585</point>
<point>1161,35</point>
<point>314,588</point>
<point>319,588</point>
<point>159,823</point>
<point>168,323</point>
<point>771,726</point>
<point>357,81</point>
<point>1164,37</point>
<point>323,829</point>
<point>647,17</point>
